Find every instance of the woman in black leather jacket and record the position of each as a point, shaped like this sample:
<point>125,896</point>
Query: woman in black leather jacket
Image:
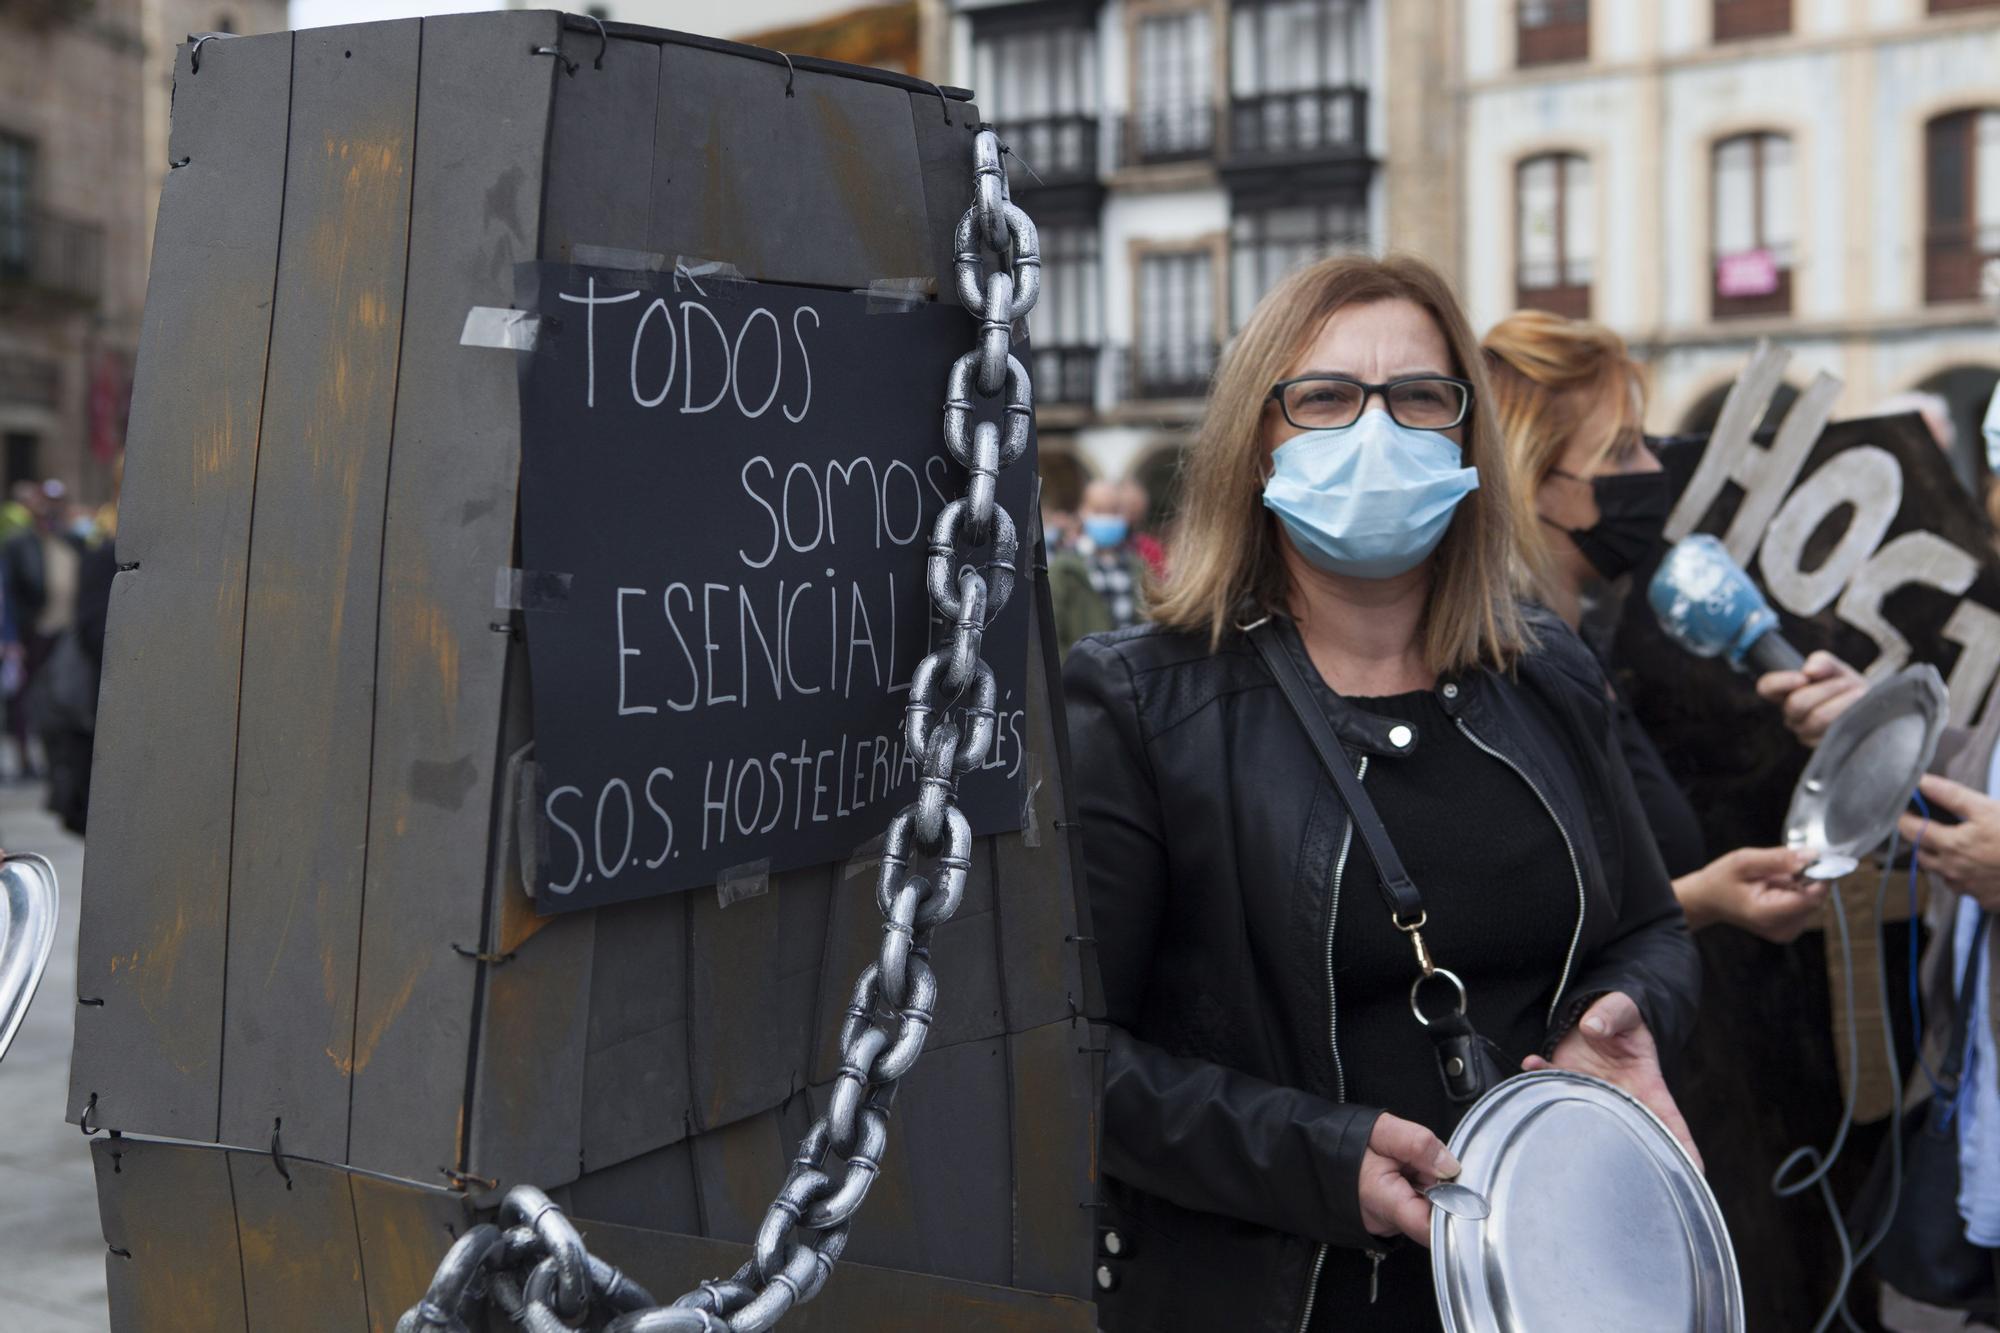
<point>1273,1105</point>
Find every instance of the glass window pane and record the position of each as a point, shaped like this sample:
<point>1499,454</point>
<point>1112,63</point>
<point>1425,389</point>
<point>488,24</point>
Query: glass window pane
<point>1243,22</point>
<point>1735,201</point>
<point>1535,245</point>
<point>1779,198</point>
<point>1948,161</point>
<point>1986,170</point>
<point>984,62</point>
<point>1198,54</point>
<point>1244,287</point>
<point>1579,221</point>
<point>1334,36</point>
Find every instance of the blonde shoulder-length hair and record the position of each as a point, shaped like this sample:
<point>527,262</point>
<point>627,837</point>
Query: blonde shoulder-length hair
<point>1228,562</point>
<point>1548,376</point>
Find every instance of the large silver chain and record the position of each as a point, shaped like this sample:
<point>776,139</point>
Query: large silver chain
<point>533,1264</point>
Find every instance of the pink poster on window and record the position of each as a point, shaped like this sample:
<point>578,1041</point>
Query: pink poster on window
<point>1748,273</point>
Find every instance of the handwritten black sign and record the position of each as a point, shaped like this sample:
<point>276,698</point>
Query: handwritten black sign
<point>727,496</point>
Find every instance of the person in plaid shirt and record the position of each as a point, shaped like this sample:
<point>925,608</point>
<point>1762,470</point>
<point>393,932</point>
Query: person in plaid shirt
<point>1099,582</point>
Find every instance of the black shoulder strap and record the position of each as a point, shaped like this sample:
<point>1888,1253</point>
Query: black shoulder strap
<point>1406,905</point>
<point>1954,1056</point>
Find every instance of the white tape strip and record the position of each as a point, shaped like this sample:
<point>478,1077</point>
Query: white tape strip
<point>497,326</point>
<point>749,880</point>
<point>625,261</point>
<point>896,296</point>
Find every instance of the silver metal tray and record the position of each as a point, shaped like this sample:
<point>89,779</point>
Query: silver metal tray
<point>1599,1221</point>
<point>1861,776</point>
<point>28,904</point>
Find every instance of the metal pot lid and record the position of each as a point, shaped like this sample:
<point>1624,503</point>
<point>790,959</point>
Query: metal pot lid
<point>1861,776</point>
<point>1599,1219</point>
<point>28,902</point>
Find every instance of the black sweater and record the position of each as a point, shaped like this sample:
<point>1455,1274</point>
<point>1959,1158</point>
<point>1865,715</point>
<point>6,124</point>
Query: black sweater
<point>1501,899</point>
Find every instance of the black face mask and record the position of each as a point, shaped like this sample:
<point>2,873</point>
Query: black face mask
<point>1632,509</point>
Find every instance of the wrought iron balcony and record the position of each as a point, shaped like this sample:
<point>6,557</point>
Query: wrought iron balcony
<point>52,257</point>
<point>1179,133</point>
<point>1167,371</point>
<point>1066,375</point>
<point>1292,126</point>
<point>1051,150</point>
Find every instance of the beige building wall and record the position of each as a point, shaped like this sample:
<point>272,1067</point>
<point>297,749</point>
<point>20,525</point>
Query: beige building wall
<point>1420,178</point>
<point>73,279</point>
<point>1853,84</point>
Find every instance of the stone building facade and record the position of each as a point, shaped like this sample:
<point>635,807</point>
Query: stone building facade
<point>1703,173</point>
<point>72,235</point>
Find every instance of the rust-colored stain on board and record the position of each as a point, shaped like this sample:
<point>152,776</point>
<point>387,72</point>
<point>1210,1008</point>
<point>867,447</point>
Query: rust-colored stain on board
<point>421,636</point>
<point>372,190</point>
<point>867,185</point>
<point>518,921</point>
<point>152,967</point>
<point>378,1023</point>
<point>403,1238</point>
<point>286,1258</point>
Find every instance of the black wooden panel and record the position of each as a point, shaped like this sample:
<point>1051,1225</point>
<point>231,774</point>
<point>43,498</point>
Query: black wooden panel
<point>482,120</point>
<point>953,1116</point>
<point>882,1300</point>
<point>536,1023</point>
<point>404,1231</point>
<point>1054,1115</point>
<point>636,1085</point>
<point>965,953</point>
<point>301,1256</point>
<point>600,179</point>
<point>754,972</point>
<point>944,133</point>
<point>737,1171</point>
<point>301,822</point>
<point>527,1115</point>
<point>151,936</point>
<point>655,1190</point>
<point>1038,877</point>
<point>638,976</point>
<point>635,1094</point>
<point>171,1260</point>
<point>835,198</point>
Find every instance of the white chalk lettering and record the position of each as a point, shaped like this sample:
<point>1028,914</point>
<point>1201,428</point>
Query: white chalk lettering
<point>590,300</point>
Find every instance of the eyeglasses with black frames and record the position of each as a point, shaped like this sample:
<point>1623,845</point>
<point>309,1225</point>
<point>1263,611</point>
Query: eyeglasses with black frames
<point>1333,402</point>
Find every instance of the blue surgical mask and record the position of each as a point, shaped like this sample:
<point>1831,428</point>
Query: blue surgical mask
<point>1371,500</point>
<point>1990,428</point>
<point>1105,530</point>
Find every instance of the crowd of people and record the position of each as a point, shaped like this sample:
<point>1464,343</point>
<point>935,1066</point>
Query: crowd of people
<point>1346,710</point>
<point>57,560</point>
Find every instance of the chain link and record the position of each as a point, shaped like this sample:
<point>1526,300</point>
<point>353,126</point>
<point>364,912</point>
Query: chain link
<point>534,1266</point>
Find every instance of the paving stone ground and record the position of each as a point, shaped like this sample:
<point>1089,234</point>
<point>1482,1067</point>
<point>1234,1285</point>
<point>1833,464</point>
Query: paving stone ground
<point>51,1250</point>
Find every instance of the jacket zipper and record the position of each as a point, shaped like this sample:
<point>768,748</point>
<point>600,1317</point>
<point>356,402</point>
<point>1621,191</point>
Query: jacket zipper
<point>1332,1031</point>
<point>1576,867</point>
